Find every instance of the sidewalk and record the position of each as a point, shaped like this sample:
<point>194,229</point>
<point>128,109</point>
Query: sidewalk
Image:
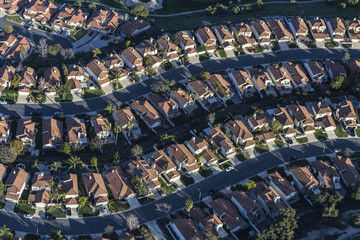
<point>155,230</point>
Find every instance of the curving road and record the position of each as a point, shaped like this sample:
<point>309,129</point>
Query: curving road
<point>177,200</point>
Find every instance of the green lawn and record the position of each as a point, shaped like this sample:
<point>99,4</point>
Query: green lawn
<point>347,45</point>
<point>225,165</point>
<point>90,93</point>
<point>329,44</point>
<point>80,34</point>
<point>340,132</point>
<point>86,210</point>
<point>261,148</point>
<point>275,46</point>
<point>147,199</point>
<point>311,44</point>
<point>279,143</point>
<point>205,172</point>
<point>186,180</point>
<point>302,140</point>
<point>24,208</point>
<point>242,156</point>
<point>167,189</point>
<point>57,212</point>
<point>14,18</point>
<point>357,130</point>
<point>9,95</point>
<point>222,53</point>
<point>258,49</point>
<point>204,57</point>
<point>115,206</point>
<point>68,98</point>
<point>319,134</point>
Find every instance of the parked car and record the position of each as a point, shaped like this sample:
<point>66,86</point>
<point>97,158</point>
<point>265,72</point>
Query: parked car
<point>91,33</point>
<point>103,209</point>
<point>213,191</point>
<point>228,169</point>
<point>50,218</point>
<point>293,158</point>
<point>337,150</point>
<point>28,216</point>
<point>289,141</point>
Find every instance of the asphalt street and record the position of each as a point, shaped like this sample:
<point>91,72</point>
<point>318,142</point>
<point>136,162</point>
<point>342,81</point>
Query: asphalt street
<point>175,201</point>
<point>138,89</point>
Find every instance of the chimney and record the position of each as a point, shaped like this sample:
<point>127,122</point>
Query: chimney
<point>137,165</point>
<point>112,170</point>
<point>42,174</point>
<point>193,138</point>
<point>176,149</point>
<point>90,177</point>
<point>14,172</point>
<point>234,125</point>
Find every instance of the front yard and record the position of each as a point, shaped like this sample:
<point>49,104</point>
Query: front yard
<point>23,207</point>
<point>90,93</point>
<point>357,130</point>
<point>147,199</point>
<point>167,189</point>
<point>261,148</point>
<point>302,140</point>
<point>186,180</point>
<point>340,132</point>
<point>9,95</point>
<point>205,172</point>
<point>15,18</point>
<point>279,143</point>
<point>320,134</point>
<point>116,206</point>
<point>204,57</point>
<point>55,212</point>
<point>86,210</point>
<point>225,165</point>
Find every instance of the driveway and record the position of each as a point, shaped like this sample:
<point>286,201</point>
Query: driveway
<point>155,230</point>
<point>133,202</point>
<point>40,212</point>
<point>9,207</point>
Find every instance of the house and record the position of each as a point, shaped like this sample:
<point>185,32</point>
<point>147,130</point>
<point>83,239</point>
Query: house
<point>95,188</point>
<point>104,21</point>
<point>262,80</point>
<point>335,69</point>
<point>303,179</point>
<point>7,73</point>
<point>128,123</point>
<point>76,130</point>
<point>240,134</point>
<point>261,32</point>
<point>15,53</point>
<point>187,43</point>
<point>183,157</point>
<point>70,188</point>
<point>6,43</point>
<point>326,174</point>
<point>41,181</point>
<point>114,61</point>
<point>142,170</point>
<point>242,82</point>
<point>39,10</point>
<point>146,47</point>
<point>76,72</point>
<point>119,184</point>
<point>102,127</point>
<point>68,18</point>
<point>185,101</point>
<point>298,76</point>
<point>354,30</point>
<point>208,222</point>
<point>2,171</point>
<point>228,214</point>
<point>206,38</point>
<point>27,81</point>
<point>283,117</point>
<point>135,27</point>
<point>221,87</point>
<point>280,31</point>
<point>11,6</point>
<point>132,59</point>
<point>52,133</point>
<point>184,228</point>
<point>281,78</point>
<point>165,105</point>
<point>319,30</point>
<point>208,157</point>
<point>42,198</point>
<point>221,142</point>
<point>153,61</point>
<point>52,78</point>
<point>345,113</point>
<point>302,118</point>
<point>299,28</point>
<point>147,113</point>
<point>354,65</point>
<point>4,130</point>
<point>244,35</point>
<point>15,184</point>
<point>248,206</point>
<point>320,110</point>
<point>337,29</point>
<point>327,123</point>
<point>265,134</point>
<point>267,197</point>
<point>206,96</point>
<point>316,71</point>
<point>197,144</point>
<point>225,37</point>
<point>170,49</point>
<point>282,186</point>
<point>98,72</point>
<point>126,236</point>
<point>257,120</point>
<point>347,170</point>
<point>119,74</point>
<point>164,166</point>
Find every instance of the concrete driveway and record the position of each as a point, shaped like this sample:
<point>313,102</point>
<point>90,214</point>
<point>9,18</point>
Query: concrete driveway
<point>9,207</point>
<point>40,212</point>
<point>133,202</point>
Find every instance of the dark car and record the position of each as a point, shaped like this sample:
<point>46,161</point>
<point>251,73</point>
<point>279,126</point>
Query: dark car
<point>50,218</point>
<point>213,191</point>
<point>289,141</point>
<point>91,33</point>
<point>293,158</point>
<point>352,132</point>
<point>10,102</point>
<point>68,211</point>
<point>172,215</point>
<point>35,113</point>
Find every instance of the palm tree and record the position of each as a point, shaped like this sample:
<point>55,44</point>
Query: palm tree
<point>116,77</point>
<point>35,164</point>
<point>73,161</point>
<point>63,89</point>
<point>250,184</point>
<point>108,126</point>
<point>55,166</point>
<point>117,130</point>
<point>96,51</point>
<point>166,85</point>
<point>108,108</point>
<point>5,233</point>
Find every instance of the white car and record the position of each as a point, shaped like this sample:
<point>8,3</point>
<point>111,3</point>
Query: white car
<point>228,169</point>
<point>103,209</point>
<point>29,216</point>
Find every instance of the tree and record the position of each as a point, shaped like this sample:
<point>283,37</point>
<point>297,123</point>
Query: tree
<point>2,190</point>
<point>250,184</point>
<point>108,108</point>
<point>132,222</point>
<point>140,10</point>
<point>82,201</point>
<point>16,80</point>
<point>24,52</point>
<point>17,145</point>
<point>337,82</point>
<point>342,5</point>
<point>348,152</point>
<point>236,10</point>
<point>117,130</point>
<point>72,34</point>
<point>328,203</point>
<point>137,150</point>
<point>94,161</point>
<point>346,56</point>
<point>8,29</point>
<point>5,233</point>
<point>259,3</point>
<point>63,90</point>
<point>42,48</point>
<point>54,49</point>
<point>140,188</point>
<point>189,205</point>
<point>109,229</point>
<point>204,75</point>
<point>78,3</point>
<point>55,166</point>
<point>276,126</point>
<point>73,161</point>
<point>92,6</point>
<point>41,84</point>
<point>208,235</point>
<point>356,192</point>
<point>166,85</point>
<point>67,53</point>
<point>56,235</point>
<point>96,144</point>
<point>352,2</point>
<point>96,52</point>
<point>65,148</point>
<point>7,154</point>
<point>167,138</point>
<point>211,117</point>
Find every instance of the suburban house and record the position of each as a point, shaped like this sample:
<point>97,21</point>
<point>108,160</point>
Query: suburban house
<point>208,222</point>
<point>262,32</point>
<point>299,28</point>
<point>52,77</point>
<point>183,158</point>
<point>76,72</point>
<point>41,181</point>
<point>316,71</point>
<point>185,101</point>
<point>132,59</point>
<point>225,37</point>
<point>39,10</point>
<point>15,184</point>
<point>281,78</point>
<point>280,31</point>
<point>128,123</point>
<point>283,117</point>
<point>68,18</point>
<point>2,171</point>
<point>27,81</point>
<point>170,49</point>
<point>184,228</point>
<point>102,127</point>
<point>326,174</point>
<point>265,134</point>
<point>220,86</point>
<point>104,21</point>
<point>95,188</point>
<point>165,105</point>
<point>70,188</point>
<point>98,72</point>
<point>126,236</point>
<point>298,76</point>
<point>242,82</point>
<point>320,110</point>
<point>282,186</point>
<point>187,43</point>
<point>4,130</point>
<point>206,96</point>
<point>197,145</point>
<point>25,133</point>
<point>228,214</point>
<point>327,123</point>
<point>118,184</point>
<point>142,170</point>
<point>164,166</point>
<point>52,133</point>
<point>7,73</point>
<point>335,69</point>
<point>206,38</point>
<point>6,43</point>
<point>135,27</point>
<point>305,182</point>
<point>114,61</point>
<point>239,133</point>
<point>354,30</point>
<point>337,29</point>
<point>347,170</point>
<point>244,35</point>
<point>354,65</point>
<point>221,142</point>
<point>257,120</point>
<point>42,198</point>
<point>15,53</point>
<point>267,197</point>
<point>345,113</point>
<point>147,113</point>
<point>302,118</point>
<point>319,30</point>
<point>146,48</point>
<point>76,130</point>
<point>262,81</point>
<point>11,6</point>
